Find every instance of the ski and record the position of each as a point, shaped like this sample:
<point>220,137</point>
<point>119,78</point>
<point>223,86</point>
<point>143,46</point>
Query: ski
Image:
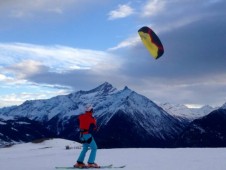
<point>101,167</point>
<point>122,166</point>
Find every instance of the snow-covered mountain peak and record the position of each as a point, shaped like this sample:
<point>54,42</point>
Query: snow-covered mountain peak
<point>182,111</point>
<point>104,89</point>
<point>206,109</point>
<point>126,88</point>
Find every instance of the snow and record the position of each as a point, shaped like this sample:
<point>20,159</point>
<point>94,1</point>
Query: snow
<point>182,111</point>
<point>3,123</point>
<point>51,153</point>
<point>3,117</point>
<point>25,123</point>
<point>223,106</point>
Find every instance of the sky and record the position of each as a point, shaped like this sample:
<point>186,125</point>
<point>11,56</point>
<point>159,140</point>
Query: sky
<point>56,47</point>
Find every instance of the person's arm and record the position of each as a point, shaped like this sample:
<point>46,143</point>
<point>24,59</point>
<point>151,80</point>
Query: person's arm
<point>93,126</point>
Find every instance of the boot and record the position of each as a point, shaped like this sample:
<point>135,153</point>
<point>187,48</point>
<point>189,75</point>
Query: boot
<point>80,165</point>
<point>93,165</point>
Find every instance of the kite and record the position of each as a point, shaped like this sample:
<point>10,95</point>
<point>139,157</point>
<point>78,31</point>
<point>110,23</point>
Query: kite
<point>151,42</point>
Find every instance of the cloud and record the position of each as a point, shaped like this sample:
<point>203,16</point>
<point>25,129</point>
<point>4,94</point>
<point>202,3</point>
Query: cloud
<point>121,12</point>
<point>153,7</point>
<point>4,78</point>
<point>193,63</point>
<point>166,16</point>
<point>192,67</point>
<point>25,68</point>
<point>18,9</point>
<point>20,95</point>
<point>57,58</point>
<point>11,99</point>
<point>53,65</point>
<point>130,42</point>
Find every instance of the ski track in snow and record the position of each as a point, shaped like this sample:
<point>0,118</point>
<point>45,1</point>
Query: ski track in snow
<point>51,153</point>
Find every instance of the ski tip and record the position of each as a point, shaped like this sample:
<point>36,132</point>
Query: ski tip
<point>122,166</point>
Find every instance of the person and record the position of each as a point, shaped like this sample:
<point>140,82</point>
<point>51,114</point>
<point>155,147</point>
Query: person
<point>87,125</point>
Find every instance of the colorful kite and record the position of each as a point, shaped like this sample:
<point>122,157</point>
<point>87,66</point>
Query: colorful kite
<point>151,42</point>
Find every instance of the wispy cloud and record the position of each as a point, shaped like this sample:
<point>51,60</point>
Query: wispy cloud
<point>31,71</point>
<point>20,95</point>
<point>153,7</point>
<point>187,30</point>
<point>17,9</point>
<point>57,58</point>
<point>22,62</point>
<point>26,9</point>
<point>121,12</point>
<point>165,16</point>
<point>130,42</point>
<point>4,78</point>
<point>24,68</point>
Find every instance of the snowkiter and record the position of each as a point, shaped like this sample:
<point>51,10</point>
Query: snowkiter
<point>87,124</point>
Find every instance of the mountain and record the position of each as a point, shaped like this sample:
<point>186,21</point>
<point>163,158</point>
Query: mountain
<point>208,131</point>
<point>21,129</point>
<point>125,118</point>
<point>182,112</point>
<point>63,106</point>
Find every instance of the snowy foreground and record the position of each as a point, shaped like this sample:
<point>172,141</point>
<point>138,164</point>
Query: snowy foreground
<point>51,153</point>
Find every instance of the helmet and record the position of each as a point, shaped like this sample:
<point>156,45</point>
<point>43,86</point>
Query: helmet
<point>89,108</point>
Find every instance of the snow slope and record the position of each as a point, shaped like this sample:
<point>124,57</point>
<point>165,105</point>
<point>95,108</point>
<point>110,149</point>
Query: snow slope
<point>51,153</point>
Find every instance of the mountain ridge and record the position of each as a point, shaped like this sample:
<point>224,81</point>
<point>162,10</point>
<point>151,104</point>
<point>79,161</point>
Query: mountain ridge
<point>125,118</point>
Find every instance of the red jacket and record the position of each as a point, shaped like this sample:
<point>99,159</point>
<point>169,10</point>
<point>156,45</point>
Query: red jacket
<point>85,122</point>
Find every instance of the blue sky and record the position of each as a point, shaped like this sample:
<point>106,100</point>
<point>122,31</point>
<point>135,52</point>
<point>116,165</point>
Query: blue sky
<point>55,47</point>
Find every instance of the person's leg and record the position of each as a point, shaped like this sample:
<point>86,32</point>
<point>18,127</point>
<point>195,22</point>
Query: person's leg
<point>93,147</point>
<point>83,153</point>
